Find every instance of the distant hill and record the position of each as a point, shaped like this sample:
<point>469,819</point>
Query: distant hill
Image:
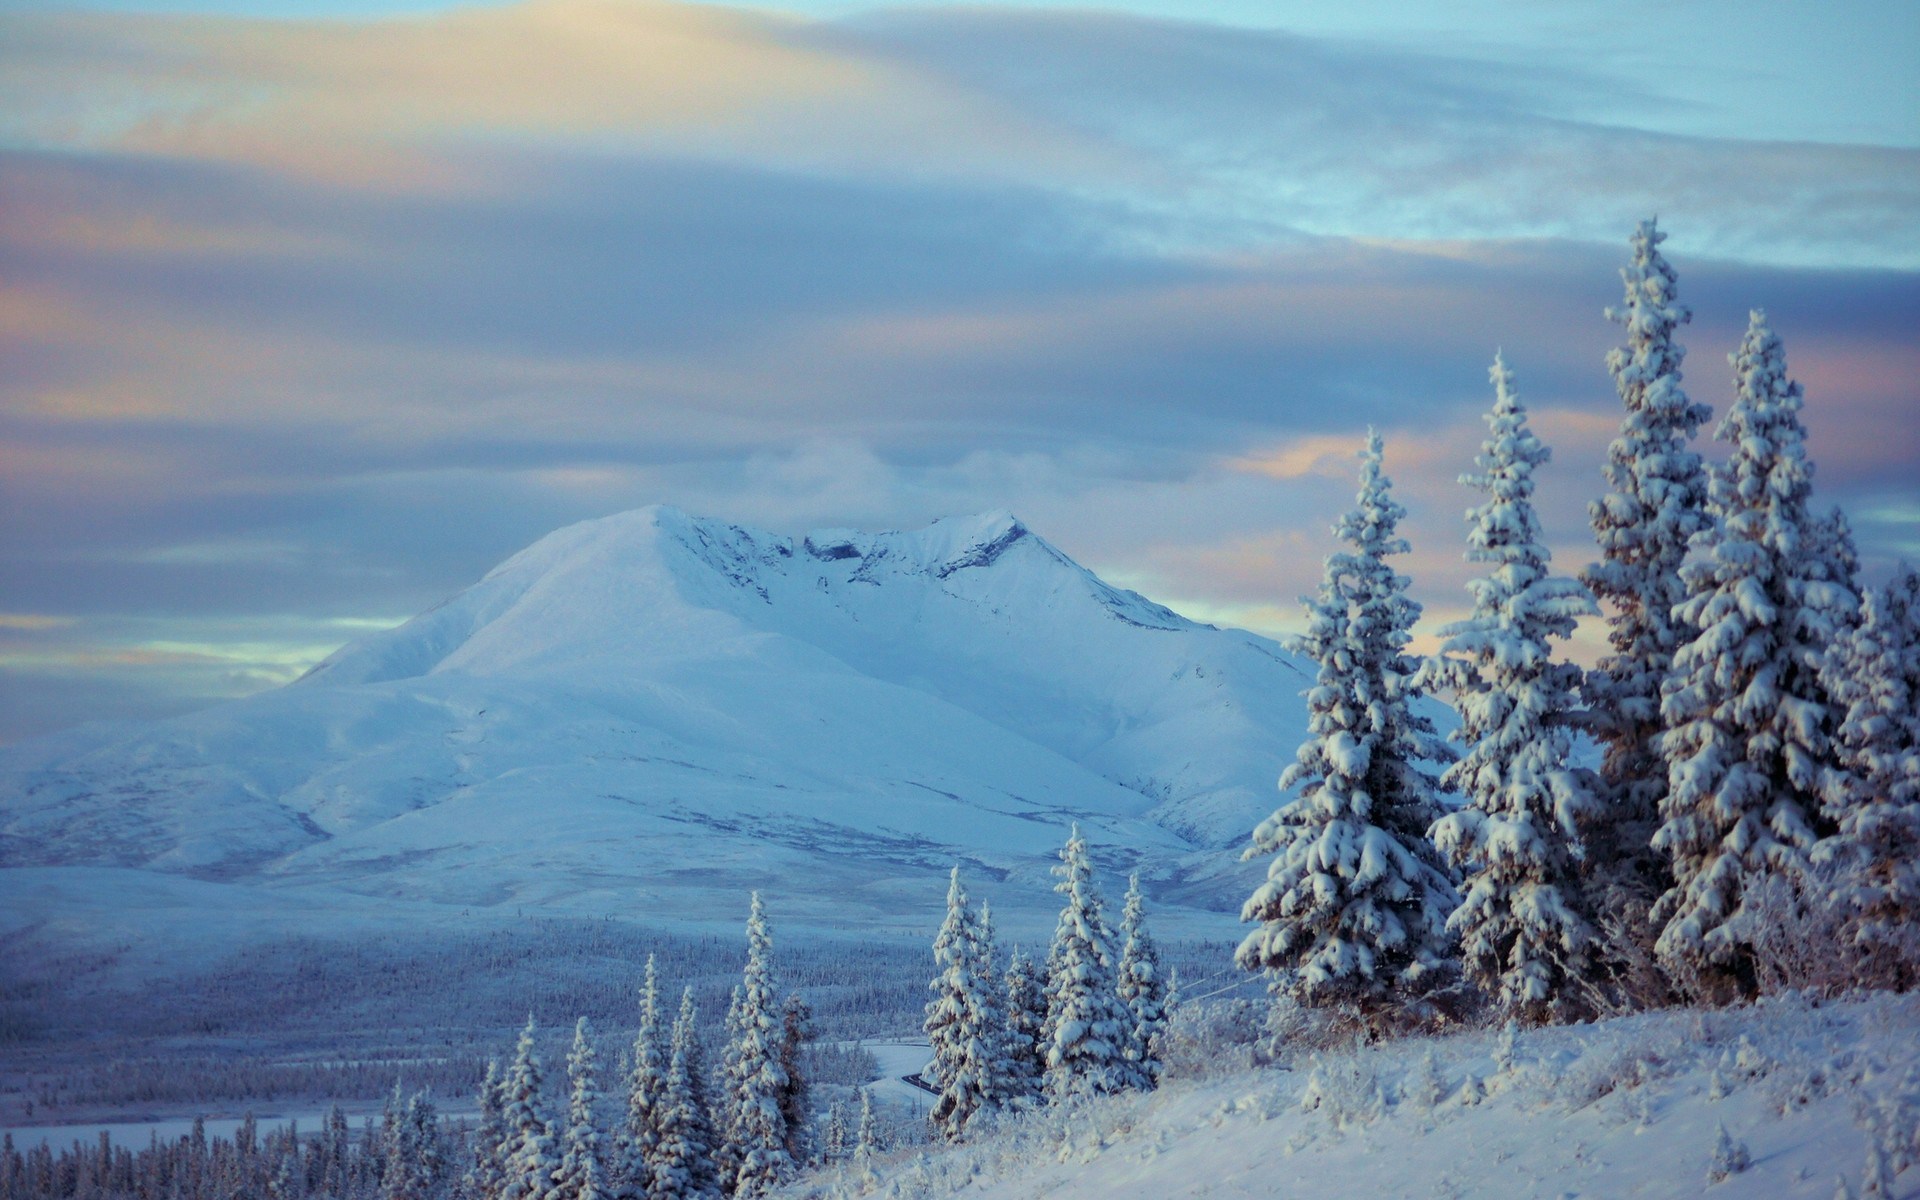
<point>647,713</point>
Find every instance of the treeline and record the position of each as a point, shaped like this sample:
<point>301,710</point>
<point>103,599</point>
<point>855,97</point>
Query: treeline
<point>406,1145</point>
<point>1754,822</point>
<point>1087,1022</point>
<point>685,1131</point>
<point>430,1007</point>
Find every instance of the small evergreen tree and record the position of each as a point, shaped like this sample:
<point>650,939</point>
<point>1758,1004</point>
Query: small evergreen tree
<point>682,1165</point>
<point>528,1148</point>
<point>1525,936</point>
<point>757,1129</point>
<point>1026,1007</point>
<point>1654,506</point>
<point>834,1138</point>
<point>868,1142</point>
<point>1087,1026</point>
<point>487,1176</point>
<point>1751,721</point>
<point>429,1160</point>
<point>1141,989</point>
<point>634,1149</point>
<point>581,1174</point>
<point>336,1141</point>
<point>990,1016</point>
<point>796,1030</point>
<point>960,1068</point>
<point>1354,909</point>
<point>398,1178</point>
<point>726,1150</point>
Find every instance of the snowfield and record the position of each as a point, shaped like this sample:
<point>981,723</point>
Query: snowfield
<point>1630,1107</point>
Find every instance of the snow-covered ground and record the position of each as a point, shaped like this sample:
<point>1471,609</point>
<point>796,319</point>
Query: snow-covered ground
<point>1630,1107</point>
<point>897,1060</point>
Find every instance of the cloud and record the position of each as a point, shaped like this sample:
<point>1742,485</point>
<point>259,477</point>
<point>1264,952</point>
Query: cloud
<point>1273,134</point>
<point>917,265</point>
<point>389,103</point>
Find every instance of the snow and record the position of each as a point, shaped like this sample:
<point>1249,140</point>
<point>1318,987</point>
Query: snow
<point>898,1059</point>
<point>656,712</point>
<point>1617,1109</point>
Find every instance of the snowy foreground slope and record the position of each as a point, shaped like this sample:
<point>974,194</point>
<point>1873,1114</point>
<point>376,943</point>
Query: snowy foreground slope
<point>1625,1108</point>
<point>646,714</point>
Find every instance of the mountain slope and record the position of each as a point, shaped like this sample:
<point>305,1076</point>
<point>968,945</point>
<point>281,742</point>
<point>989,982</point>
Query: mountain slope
<point>651,707</point>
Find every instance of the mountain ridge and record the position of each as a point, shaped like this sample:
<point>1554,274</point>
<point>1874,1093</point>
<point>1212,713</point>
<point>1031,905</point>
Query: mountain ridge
<point>652,704</point>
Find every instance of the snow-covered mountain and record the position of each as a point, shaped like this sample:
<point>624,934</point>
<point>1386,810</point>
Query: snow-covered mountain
<point>647,713</point>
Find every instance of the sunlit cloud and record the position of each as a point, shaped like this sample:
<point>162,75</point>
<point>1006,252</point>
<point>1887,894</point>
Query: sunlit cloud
<point>390,102</point>
<point>302,320</point>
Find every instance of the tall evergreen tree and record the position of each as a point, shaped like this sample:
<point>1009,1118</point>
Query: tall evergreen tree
<point>1026,1008</point>
<point>1873,798</point>
<point>757,1129</point>
<point>1354,909</point>
<point>582,1173</point>
<point>1142,989</point>
<point>1751,721</point>
<point>646,1088</point>
<point>1087,1026</point>
<point>1654,506</point>
<point>1524,929</point>
<point>528,1148</point>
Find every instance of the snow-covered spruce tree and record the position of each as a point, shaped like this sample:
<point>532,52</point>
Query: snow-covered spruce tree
<point>1026,1008</point>
<point>582,1173</point>
<point>335,1146</point>
<point>756,1128</point>
<point>1654,505</point>
<point>1751,723</point>
<point>634,1147</point>
<point>1523,925</point>
<point>399,1175</point>
<point>834,1138</point>
<point>958,1069</point>
<point>681,1165</point>
<point>726,1156</point>
<point>1087,1025</point>
<point>1354,910</point>
<point>796,1030</point>
<point>867,1141</point>
<point>529,1155</point>
<point>414,1162</point>
<point>1874,796</point>
<point>990,1016</point>
<point>1142,989</point>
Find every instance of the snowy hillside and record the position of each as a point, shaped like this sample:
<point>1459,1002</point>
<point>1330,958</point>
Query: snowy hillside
<point>1631,1107</point>
<point>651,712</point>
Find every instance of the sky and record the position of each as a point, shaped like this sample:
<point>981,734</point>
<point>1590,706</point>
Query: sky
<point>312,312</point>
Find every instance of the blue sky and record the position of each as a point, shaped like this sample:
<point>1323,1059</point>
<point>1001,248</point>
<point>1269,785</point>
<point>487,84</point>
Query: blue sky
<point>311,313</point>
